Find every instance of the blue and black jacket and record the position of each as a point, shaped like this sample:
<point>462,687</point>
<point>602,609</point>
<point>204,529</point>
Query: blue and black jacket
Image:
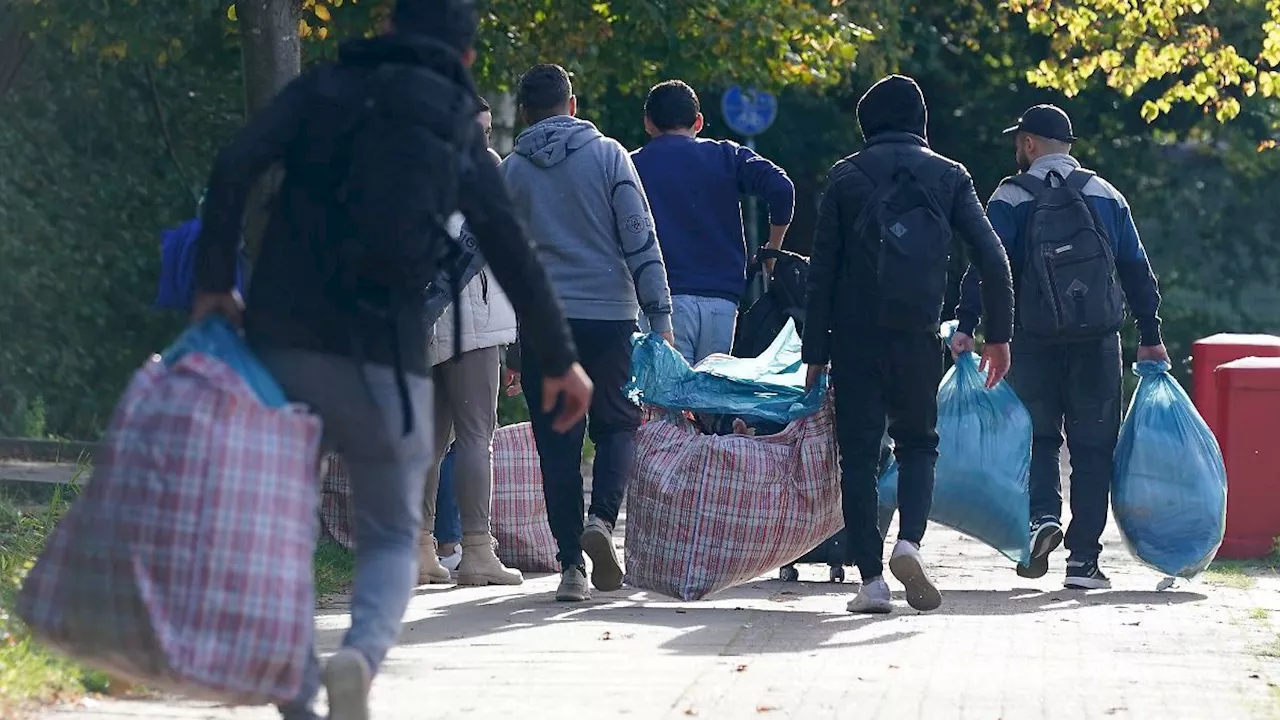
<point>1008,210</point>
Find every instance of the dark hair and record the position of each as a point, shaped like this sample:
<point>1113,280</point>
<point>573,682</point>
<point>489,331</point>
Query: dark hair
<point>672,105</point>
<point>454,22</point>
<point>484,105</point>
<point>544,91</point>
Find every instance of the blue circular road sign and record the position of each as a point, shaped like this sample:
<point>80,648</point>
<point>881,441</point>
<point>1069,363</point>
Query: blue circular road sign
<point>748,112</point>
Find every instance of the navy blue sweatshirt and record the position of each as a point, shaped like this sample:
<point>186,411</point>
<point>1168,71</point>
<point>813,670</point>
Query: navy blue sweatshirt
<point>694,186</point>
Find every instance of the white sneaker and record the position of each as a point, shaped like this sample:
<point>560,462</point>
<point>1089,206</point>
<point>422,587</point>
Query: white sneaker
<point>451,562</point>
<point>347,678</point>
<point>908,567</point>
<point>872,599</point>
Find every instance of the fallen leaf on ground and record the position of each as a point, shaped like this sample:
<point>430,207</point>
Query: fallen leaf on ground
<point>606,636</point>
<point>743,668</point>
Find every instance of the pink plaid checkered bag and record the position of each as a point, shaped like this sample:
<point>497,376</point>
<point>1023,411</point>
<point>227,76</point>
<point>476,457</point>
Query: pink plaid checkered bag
<point>519,507</point>
<point>186,564</point>
<point>708,512</point>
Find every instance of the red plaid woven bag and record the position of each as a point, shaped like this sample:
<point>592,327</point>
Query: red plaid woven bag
<point>708,512</point>
<point>519,507</point>
<point>186,564</point>
<point>336,510</point>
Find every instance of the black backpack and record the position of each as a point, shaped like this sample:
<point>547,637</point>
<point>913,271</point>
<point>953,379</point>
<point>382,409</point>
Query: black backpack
<point>914,241</point>
<point>392,150</point>
<point>403,160</point>
<point>1068,288</point>
<point>759,324</point>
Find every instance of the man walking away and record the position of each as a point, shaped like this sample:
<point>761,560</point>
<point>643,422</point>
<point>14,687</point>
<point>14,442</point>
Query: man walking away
<point>695,185</point>
<point>466,411</point>
<point>1076,258</point>
<point>335,305</point>
<point>877,282</point>
<point>588,216</point>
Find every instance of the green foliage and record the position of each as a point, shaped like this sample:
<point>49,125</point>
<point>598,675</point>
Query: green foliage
<point>28,672</point>
<point>629,44</point>
<point>1213,57</point>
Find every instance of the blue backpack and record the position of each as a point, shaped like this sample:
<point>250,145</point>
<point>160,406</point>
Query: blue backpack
<point>178,267</point>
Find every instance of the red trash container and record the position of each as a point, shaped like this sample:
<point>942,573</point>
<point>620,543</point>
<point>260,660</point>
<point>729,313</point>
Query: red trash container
<point>1208,353</point>
<point>1249,434</point>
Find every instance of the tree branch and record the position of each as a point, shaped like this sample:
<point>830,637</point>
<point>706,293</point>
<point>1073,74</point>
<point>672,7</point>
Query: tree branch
<point>15,47</point>
<point>165,134</point>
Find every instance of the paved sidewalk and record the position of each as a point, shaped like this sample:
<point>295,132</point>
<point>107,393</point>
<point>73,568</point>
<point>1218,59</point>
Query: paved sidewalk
<point>1000,647</point>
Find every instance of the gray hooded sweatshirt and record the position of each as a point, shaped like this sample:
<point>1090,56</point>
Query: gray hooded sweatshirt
<point>587,214</point>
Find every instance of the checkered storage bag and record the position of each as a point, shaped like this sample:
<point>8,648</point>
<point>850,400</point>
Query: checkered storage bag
<point>186,564</point>
<point>335,502</point>
<point>708,512</point>
<point>519,507</point>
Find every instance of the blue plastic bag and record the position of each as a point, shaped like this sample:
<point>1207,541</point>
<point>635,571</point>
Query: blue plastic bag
<point>982,485</point>
<point>1170,491</point>
<point>769,387</point>
<point>215,337</point>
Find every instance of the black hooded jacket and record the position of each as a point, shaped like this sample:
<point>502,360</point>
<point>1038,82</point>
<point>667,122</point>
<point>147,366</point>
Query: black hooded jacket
<point>843,282</point>
<point>289,304</point>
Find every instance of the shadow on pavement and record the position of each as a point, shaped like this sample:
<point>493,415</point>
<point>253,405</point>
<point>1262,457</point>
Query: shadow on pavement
<point>1027,601</point>
<point>708,630</point>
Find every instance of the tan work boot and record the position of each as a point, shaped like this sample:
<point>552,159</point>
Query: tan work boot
<point>430,571</point>
<point>480,564</point>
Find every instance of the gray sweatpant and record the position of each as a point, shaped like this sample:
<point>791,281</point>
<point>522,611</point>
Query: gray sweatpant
<point>360,406</point>
<point>466,411</point>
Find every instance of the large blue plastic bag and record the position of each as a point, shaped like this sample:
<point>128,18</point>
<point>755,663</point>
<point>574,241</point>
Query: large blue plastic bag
<point>769,387</point>
<point>982,485</point>
<point>215,337</point>
<point>1170,491</point>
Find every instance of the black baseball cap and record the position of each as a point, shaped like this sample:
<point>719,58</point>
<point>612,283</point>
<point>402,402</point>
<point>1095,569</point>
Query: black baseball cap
<point>1047,121</point>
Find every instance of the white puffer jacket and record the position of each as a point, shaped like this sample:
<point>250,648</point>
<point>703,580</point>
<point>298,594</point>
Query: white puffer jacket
<point>486,316</point>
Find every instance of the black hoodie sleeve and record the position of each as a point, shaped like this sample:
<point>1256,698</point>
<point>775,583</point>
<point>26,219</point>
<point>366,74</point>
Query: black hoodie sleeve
<point>987,253</point>
<point>514,262</point>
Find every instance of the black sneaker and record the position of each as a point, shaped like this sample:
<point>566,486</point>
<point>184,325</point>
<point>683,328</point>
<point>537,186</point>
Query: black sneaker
<point>1046,536</point>
<point>1085,575</point>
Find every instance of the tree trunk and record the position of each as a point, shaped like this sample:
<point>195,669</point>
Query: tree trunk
<point>271,56</point>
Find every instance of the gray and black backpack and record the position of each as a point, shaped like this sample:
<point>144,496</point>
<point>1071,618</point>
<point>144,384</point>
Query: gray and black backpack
<point>1068,288</point>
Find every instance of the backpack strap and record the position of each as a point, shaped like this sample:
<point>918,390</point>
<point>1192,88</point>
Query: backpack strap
<point>1078,179</point>
<point>1028,182</point>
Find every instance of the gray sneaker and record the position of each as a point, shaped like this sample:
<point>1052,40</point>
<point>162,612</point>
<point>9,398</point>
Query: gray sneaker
<point>597,543</point>
<point>347,678</point>
<point>872,599</point>
<point>573,585</point>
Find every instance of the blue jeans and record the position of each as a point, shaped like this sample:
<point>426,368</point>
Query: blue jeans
<point>703,326</point>
<point>360,407</point>
<point>448,527</point>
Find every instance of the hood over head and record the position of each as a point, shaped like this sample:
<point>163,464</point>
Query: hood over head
<point>549,142</point>
<point>407,49</point>
<point>894,104</point>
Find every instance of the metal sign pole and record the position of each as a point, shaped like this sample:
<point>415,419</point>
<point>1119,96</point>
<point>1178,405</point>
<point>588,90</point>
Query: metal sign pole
<point>749,113</point>
<point>752,221</point>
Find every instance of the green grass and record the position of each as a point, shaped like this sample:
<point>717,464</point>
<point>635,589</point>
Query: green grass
<point>1243,574</point>
<point>334,567</point>
<point>29,674</point>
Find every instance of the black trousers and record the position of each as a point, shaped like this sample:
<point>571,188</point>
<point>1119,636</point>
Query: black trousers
<point>604,349</point>
<point>877,375</point>
<point>1077,386</point>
